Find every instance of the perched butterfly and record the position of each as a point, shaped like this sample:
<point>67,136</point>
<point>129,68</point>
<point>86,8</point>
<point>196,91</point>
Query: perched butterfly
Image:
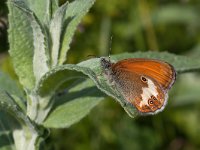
<point>142,82</point>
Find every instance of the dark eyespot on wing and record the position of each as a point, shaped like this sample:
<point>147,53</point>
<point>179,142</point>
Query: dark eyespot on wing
<point>154,98</point>
<point>143,79</point>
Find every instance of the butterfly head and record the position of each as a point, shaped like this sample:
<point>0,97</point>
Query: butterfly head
<point>105,64</point>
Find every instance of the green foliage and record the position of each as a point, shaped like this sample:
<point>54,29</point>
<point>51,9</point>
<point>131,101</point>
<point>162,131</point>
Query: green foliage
<point>74,105</point>
<point>22,60</point>
<point>74,14</point>
<point>57,95</point>
<point>36,36</point>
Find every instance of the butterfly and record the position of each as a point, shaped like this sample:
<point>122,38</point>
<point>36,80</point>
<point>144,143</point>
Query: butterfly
<point>143,83</point>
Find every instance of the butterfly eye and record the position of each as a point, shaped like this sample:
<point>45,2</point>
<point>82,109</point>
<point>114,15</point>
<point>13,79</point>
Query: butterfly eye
<point>143,79</point>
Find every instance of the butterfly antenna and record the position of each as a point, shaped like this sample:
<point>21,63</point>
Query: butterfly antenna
<point>110,48</point>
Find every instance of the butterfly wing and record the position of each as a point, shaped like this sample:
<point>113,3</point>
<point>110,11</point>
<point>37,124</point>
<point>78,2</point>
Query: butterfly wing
<point>144,83</point>
<point>160,71</point>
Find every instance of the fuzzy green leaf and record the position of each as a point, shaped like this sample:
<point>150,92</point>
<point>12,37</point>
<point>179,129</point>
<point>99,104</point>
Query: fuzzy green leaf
<point>53,79</point>
<point>10,86</point>
<point>75,12</point>
<point>21,43</point>
<point>41,54</point>
<point>8,121</point>
<point>54,6</point>
<point>56,27</point>
<point>41,8</point>
<point>56,80</point>
<point>48,87</point>
<point>7,124</point>
<point>74,105</point>
<point>93,69</point>
<point>8,104</point>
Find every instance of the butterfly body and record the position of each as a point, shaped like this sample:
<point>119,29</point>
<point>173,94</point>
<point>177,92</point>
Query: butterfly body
<point>142,82</point>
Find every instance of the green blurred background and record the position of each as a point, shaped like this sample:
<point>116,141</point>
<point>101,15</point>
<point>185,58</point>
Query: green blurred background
<point>135,25</point>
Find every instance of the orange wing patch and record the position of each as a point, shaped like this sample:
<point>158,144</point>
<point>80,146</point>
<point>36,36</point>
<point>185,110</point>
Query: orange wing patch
<point>160,71</point>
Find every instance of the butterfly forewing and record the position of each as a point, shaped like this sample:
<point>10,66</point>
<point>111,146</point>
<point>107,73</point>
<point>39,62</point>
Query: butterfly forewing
<point>160,71</point>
